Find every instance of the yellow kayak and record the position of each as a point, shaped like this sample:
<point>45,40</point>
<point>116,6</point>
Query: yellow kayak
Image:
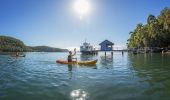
<point>92,62</point>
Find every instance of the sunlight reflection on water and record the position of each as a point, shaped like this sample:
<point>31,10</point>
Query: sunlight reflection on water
<point>79,94</point>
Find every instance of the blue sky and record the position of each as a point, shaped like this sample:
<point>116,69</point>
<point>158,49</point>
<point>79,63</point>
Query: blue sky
<point>55,22</point>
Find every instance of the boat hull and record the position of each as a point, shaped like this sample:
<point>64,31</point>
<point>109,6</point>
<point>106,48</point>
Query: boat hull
<point>92,62</point>
<point>89,52</point>
<point>18,56</point>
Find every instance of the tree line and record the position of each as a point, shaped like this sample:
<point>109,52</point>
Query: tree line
<point>155,33</point>
<point>10,44</point>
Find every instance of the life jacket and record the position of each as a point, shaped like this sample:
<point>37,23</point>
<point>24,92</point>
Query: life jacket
<point>69,58</point>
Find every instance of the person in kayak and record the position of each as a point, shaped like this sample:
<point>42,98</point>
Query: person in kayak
<point>70,56</point>
<point>17,54</point>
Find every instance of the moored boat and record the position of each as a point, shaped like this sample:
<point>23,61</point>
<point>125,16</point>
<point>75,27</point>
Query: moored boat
<point>86,48</point>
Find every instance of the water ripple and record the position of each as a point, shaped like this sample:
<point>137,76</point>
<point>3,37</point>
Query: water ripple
<point>37,76</point>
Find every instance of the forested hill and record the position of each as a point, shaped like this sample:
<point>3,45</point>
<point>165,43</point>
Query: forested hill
<point>10,44</point>
<point>155,33</point>
<point>47,49</point>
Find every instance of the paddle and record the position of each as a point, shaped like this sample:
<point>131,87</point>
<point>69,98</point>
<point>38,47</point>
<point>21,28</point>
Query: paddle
<point>75,54</point>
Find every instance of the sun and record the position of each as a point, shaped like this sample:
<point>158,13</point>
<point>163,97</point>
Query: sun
<point>82,7</point>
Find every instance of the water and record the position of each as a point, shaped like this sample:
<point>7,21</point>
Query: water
<point>123,77</point>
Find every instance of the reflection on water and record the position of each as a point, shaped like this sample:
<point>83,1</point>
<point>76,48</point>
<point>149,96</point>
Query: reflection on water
<point>121,77</point>
<point>75,66</point>
<point>153,69</point>
<point>106,61</point>
<point>79,95</point>
<point>70,67</point>
<point>84,57</point>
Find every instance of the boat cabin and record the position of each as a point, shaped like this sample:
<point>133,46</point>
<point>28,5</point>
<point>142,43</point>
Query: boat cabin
<point>86,47</point>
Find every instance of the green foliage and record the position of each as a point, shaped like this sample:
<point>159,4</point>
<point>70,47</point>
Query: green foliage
<point>156,33</point>
<point>47,49</point>
<point>10,44</point>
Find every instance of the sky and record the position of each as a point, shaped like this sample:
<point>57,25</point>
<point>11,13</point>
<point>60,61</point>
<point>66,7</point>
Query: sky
<point>56,23</point>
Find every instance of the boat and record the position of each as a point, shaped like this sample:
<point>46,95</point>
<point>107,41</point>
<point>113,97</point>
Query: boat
<point>167,52</point>
<point>18,55</point>
<point>86,48</point>
<point>92,62</point>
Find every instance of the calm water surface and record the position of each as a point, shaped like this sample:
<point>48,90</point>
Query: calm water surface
<point>123,77</point>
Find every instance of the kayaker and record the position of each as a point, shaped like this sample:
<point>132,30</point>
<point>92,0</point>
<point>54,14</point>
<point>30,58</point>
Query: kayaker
<point>70,56</point>
<point>17,54</point>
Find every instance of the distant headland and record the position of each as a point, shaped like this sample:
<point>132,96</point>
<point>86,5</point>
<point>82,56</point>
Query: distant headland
<point>11,44</point>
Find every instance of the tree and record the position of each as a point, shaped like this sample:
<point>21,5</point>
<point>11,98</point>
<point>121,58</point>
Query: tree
<point>156,33</point>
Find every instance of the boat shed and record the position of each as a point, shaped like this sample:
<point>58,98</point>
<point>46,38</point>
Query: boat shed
<point>106,45</point>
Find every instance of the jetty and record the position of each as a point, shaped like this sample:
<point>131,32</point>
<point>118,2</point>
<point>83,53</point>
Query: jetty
<point>105,46</point>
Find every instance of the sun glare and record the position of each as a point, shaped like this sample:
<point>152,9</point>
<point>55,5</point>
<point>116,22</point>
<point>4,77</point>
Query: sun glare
<point>82,7</point>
